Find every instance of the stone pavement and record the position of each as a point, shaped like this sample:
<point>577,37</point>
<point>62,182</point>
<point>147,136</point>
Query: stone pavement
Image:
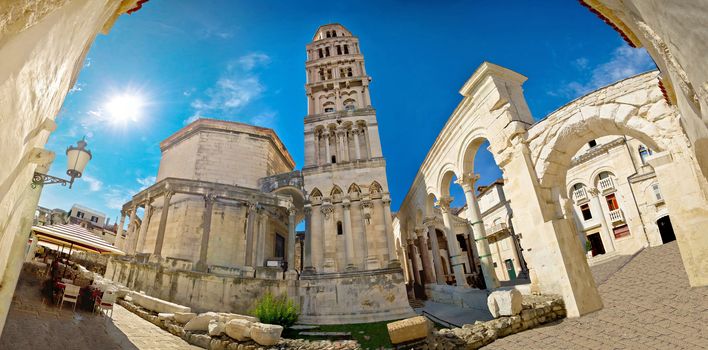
<point>648,305</point>
<point>33,324</point>
<point>454,313</point>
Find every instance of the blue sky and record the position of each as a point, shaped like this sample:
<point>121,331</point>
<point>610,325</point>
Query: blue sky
<point>244,61</point>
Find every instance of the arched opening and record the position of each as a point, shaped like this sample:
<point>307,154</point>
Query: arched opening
<point>666,230</point>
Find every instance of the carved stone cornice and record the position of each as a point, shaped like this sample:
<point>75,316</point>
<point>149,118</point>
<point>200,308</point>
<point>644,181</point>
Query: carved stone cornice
<point>327,210</point>
<point>444,204</point>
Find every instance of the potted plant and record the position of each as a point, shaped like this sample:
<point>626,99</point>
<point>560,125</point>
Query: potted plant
<point>588,249</point>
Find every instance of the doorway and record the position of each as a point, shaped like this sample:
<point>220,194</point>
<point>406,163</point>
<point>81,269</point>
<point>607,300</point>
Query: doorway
<point>666,230</point>
<point>596,245</point>
<point>510,269</point>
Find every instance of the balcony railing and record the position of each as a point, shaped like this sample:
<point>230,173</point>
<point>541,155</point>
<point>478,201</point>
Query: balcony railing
<point>494,229</point>
<point>580,195</point>
<point>606,185</point>
<point>616,216</point>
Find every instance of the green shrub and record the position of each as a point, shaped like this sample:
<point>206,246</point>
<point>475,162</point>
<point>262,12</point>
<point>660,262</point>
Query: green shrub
<point>276,310</point>
<point>588,246</point>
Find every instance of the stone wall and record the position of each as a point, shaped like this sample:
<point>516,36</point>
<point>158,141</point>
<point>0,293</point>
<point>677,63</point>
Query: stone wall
<point>354,297</point>
<point>537,310</point>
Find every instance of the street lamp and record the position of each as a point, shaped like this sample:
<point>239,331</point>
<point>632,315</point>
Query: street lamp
<point>77,158</point>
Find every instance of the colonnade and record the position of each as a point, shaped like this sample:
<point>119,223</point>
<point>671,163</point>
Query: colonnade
<point>356,211</point>
<point>257,217</point>
<point>337,142</point>
<point>424,240</point>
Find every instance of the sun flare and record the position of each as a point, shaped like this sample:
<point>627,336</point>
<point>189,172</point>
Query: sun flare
<point>125,107</point>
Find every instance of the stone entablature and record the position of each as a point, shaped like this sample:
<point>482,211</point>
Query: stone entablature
<point>292,179</point>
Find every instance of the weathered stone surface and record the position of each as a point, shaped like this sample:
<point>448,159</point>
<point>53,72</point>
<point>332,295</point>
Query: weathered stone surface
<point>166,316</point>
<point>184,317</point>
<point>215,328</point>
<point>226,317</point>
<point>266,334</point>
<point>157,305</point>
<point>238,329</point>
<point>505,302</point>
<point>200,322</point>
<point>408,330</point>
<point>200,340</point>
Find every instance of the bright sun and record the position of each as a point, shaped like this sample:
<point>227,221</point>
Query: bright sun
<point>125,107</point>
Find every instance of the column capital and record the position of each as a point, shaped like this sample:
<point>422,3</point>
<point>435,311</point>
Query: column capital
<point>308,209</point>
<point>292,211</point>
<point>346,203</point>
<point>327,210</point>
<point>420,231</point>
<point>430,221</point>
<point>444,203</point>
<point>209,197</point>
<point>467,181</point>
<point>252,205</point>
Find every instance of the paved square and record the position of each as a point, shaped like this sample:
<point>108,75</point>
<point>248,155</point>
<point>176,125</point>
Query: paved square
<point>648,305</point>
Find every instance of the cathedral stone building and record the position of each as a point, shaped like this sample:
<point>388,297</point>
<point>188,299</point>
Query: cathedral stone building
<point>218,228</point>
<point>345,172</point>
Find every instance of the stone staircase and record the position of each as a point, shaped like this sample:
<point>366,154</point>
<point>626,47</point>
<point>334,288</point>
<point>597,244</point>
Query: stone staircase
<point>416,303</point>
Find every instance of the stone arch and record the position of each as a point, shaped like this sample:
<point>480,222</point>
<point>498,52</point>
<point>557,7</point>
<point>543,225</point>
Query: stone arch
<point>445,180</point>
<point>354,188</point>
<point>375,188</point>
<point>316,193</point>
<point>469,149</point>
<point>430,201</point>
<point>336,191</point>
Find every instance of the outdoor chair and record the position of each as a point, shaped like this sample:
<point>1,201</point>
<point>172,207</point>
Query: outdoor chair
<point>106,302</point>
<point>71,295</point>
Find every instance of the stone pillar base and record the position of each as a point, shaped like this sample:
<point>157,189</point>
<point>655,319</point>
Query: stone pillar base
<point>290,275</point>
<point>329,265</point>
<point>394,263</point>
<point>248,271</point>
<point>351,267</point>
<point>309,270</point>
<point>372,263</point>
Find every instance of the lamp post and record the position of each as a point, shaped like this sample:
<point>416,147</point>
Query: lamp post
<point>77,158</point>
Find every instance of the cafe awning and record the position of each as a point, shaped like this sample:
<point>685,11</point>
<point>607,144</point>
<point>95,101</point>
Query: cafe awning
<point>75,236</point>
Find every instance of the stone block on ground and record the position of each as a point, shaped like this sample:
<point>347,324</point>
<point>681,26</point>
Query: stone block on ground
<point>216,328</point>
<point>184,317</point>
<point>238,329</point>
<point>226,317</point>
<point>266,334</point>
<point>409,329</point>
<point>504,302</point>
<point>200,322</point>
<point>157,305</point>
<point>166,316</point>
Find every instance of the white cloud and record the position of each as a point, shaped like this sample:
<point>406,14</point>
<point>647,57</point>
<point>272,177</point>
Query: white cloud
<point>192,119</point>
<point>94,184</point>
<point>581,63</point>
<point>115,197</point>
<point>88,62</point>
<point>253,60</point>
<point>146,182</point>
<point>624,62</point>
<point>76,88</point>
<point>266,119</point>
<point>236,87</point>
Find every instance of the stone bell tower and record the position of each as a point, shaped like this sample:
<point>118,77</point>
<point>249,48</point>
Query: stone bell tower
<point>345,172</point>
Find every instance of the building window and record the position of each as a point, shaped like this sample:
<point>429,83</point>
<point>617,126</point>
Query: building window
<point>587,214</point>
<point>329,109</point>
<point>612,202</point>
<point>94,219</point>
<point>346,49</point>
<point>334,159</point>
<point>329,35</point>
<point>327,51</point>
<point>340,230</point>
<point>349,107</point>
<point>592,143</point>
<point>657,192</point>
<point>80,214</point>
<point>334,34</point>
<point>279,246</point>
<point>320,51</point>
<point>329,73</point>
<point>621,231</point>
<point>349,72</point>
<point>644,153</point>
<point>339,50</point>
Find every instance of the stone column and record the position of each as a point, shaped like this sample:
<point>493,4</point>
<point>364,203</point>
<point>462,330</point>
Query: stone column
<point>261,237</point>
<point>130,239</point>
<point>474,215</point>
<point>163,223</point>
<point>343,149</point>
<point>356,143</point>
<point>250,227</point>
<point>206,231</point>
<point>327,210</point>
<point>328,152</point>
<point>318,161</point>
<point>365,131</point>
<point>348,241</point>
<point>144,226</point>
<point>291,238</point>
<point>120,242</point>
<point>437,263</point>
<point>307,258</point>
<point>452,244</point>
<point>364,209</point>
<point>414,263</point>
<point>388,231</point>
<point>317,237</point>
<point>425,255</point>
